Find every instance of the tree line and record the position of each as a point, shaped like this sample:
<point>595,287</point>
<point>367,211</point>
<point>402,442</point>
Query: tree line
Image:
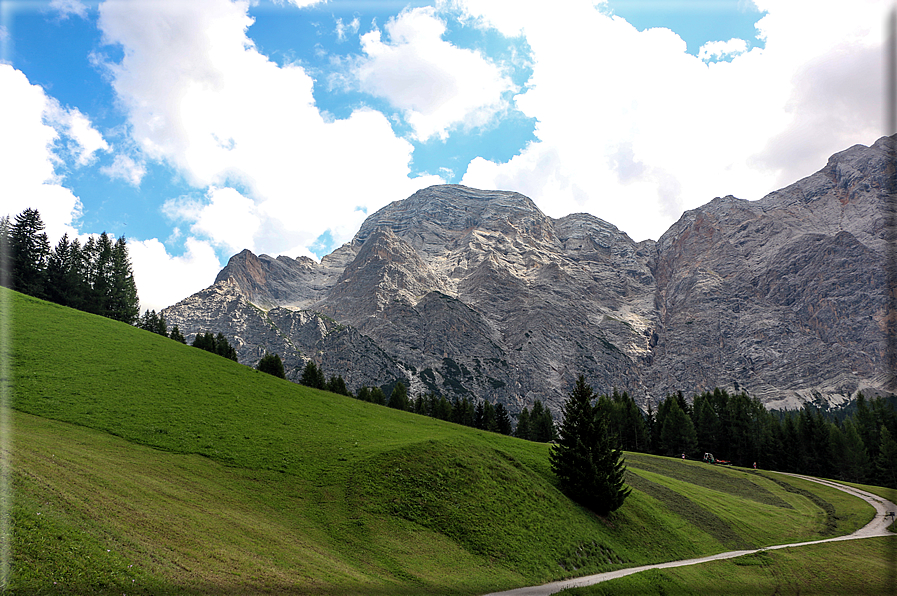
<point>855,444</point>
<point>95,277</point>
<point>535,426</point>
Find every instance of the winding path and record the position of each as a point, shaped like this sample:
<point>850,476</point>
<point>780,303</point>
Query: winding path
<point>877,527</point>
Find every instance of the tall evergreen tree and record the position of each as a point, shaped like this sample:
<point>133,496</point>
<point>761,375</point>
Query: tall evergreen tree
<point>886,462</point>
<point>122,303</point>
<point>677,432</point>
<point>502,419</point>
<point>398,397</point>
<point>586,460</point>
<point>377,396</point>
<point>442,409</point>
<point>176,335</point>
<point>100,274</point>
<point>58,271</point>
<point>541,424</point>
<point>312,376</point>
<point>5,252</point>
<point>522,429</point>
<point>30,251</point>
<point>363,393</point>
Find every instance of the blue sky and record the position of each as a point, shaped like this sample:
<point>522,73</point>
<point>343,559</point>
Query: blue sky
<point>200,128</point>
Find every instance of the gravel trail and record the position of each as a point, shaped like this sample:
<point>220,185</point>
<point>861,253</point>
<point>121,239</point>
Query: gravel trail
<point>877,527</point>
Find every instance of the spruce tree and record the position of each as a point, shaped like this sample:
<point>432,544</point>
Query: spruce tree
<point>337,385</point>
<point>5,252</point>
<point>677,432</point>
<point>541,424</point>
<point>30,251</point>
<point>522,429</point>
<point>398,398</point>
<point>312,376</point>
<point>502,419</point>
<point>176,335</point>
<point>122,303</point>
<point>886,462</point>
<point>377,396</point>
<point>586,460</point>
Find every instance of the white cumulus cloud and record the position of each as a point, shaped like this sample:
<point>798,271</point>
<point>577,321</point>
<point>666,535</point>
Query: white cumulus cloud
<point>716,50</point>
<point>33,129</point>
<point>200,96</point>
<point>162,278</point>
<point>435,84</point>
<point>632,128</point>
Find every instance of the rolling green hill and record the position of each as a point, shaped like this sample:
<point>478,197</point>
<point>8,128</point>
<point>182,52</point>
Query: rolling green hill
<point>143,466</point>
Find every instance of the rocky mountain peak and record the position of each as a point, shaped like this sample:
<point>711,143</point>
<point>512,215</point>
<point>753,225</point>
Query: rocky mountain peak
<point>474,293</point>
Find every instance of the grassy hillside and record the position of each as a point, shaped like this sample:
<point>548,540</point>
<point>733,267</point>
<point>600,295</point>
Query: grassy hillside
<point>145,466</point>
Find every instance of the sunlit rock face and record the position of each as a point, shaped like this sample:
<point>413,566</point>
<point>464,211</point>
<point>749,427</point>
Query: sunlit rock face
<point>474,293</point>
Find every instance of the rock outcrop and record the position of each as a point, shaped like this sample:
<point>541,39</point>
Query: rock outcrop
<point>475,293</point>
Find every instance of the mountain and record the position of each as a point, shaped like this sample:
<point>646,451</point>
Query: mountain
<point>476,293</point>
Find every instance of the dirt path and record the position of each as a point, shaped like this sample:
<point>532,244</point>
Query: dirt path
<point>877,527</point>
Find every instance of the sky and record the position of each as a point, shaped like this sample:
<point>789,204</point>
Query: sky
<point>198,129</point>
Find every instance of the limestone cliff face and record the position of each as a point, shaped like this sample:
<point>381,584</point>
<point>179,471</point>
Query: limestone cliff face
<point>477,293</point>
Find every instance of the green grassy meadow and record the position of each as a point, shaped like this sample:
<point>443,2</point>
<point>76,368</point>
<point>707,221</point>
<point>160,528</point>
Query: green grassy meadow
<point>143,466</point>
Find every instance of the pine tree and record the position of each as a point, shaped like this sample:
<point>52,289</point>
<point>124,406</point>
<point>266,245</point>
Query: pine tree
<point>337,385</point>
<point>5,252</point>
<point>30,251</point>
<point>522,429</point>
<point>398,398</point>
<point>363,393</point>
<point>100,275</point>
<point>886,463</point>
<point>57,271</point>
<point>176,335</point>
<point>312,376</point>
<point>271,364</point>
<point>677,433</point>
<point>587,462</point>
<point>541,424</point>
<point>502,419</point>
<point>222,346</point>
<point>377,396</point>
<point>122,303</point>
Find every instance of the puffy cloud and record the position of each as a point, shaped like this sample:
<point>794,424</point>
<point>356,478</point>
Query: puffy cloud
<point>435,84</point>
<point>163,279</point>
<point>229,219</point>
<point>642,129</point>
<point>201,97</point>
<point>716,50</point>
<point>33,126</point>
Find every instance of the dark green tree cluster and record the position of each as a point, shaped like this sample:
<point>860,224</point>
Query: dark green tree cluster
<point>153,322</point>
<point>483,415</point>
<point>96,277</point>
<point>856,444</point>
<point>625,420</point>
<point>537,425</point>
<point>271,364</point>
<point>587,458</point>
<point>156,323</point>
<point>313,376</point>
<point>216,344</point>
